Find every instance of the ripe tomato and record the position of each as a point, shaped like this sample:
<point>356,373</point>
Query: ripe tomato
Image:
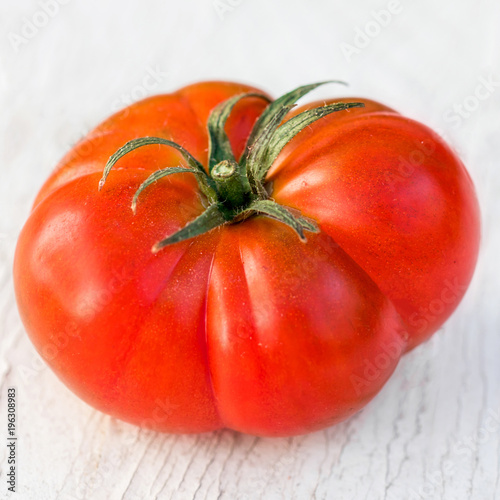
<point>237,321</point>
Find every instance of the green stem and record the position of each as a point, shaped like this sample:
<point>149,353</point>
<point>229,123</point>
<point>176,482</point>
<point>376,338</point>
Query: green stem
<point>233,188</point>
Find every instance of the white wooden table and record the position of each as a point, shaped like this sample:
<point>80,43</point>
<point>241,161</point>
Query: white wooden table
<point>434,430</point>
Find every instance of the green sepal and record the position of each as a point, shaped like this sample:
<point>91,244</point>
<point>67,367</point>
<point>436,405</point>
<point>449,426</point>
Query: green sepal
<point>156,176</point>
<point>204,181</point>
<point>209,219</point>
<point>286,132</point>
<point>257,154</point>
<point>284,215</point>
<point>219,146</point>
<point>308,224</point>
<point>268,115</point>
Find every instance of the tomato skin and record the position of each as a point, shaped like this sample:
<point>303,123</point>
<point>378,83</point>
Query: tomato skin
<point>397,200</point>
<point>281,360</point>
<point>246,326</point>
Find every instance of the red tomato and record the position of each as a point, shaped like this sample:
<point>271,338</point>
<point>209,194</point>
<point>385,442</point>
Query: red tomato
<point>245,326</point>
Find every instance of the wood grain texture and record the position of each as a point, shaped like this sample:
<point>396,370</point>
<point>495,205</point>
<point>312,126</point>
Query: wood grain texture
<point>434,430</point>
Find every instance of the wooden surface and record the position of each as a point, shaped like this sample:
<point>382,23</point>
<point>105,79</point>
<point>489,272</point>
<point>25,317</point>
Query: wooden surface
<point>434,430</point>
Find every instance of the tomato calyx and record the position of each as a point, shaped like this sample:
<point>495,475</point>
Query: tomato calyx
<point>236,190</point>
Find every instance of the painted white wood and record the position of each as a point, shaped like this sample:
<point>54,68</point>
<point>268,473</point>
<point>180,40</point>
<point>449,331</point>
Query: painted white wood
<point>434,430</point>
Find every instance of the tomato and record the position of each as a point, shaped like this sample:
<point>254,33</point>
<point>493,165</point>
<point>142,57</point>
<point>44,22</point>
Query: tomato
<point>308,255</point>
